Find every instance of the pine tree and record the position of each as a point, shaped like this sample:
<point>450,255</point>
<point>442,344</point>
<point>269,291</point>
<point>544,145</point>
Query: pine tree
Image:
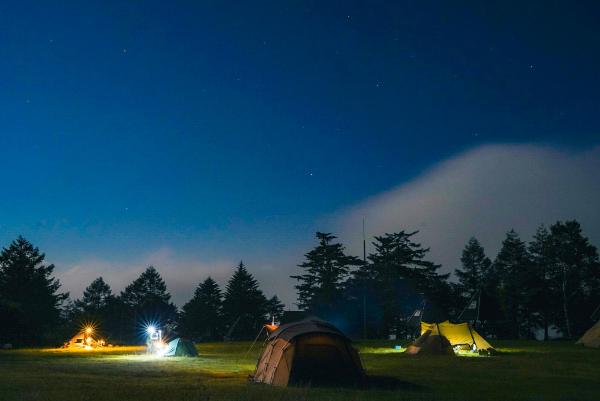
<point>94,308</point>
<point>201,317</point>
<point>575,271</point>
<point>473,275</point>
<point>404,277</point>
<point>544,294</point>
<point>327,267</point>
<point>275,308</point>
<point>96,297</point>
<point>148,301</point>
<point>244,305</point>
<point>516,277</point>
<point>29,298</point>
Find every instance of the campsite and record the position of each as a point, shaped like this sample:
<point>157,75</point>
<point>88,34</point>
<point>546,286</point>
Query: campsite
<point>299,200</point>
<point>524,370</point>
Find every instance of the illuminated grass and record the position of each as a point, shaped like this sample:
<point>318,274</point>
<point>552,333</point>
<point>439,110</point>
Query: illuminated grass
<point>523,371</point>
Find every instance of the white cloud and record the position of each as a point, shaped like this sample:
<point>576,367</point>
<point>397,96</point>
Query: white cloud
<point>181,275</point>
<point>484,192</point>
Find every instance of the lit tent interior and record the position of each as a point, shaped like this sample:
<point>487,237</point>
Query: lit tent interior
<point>460,335</point>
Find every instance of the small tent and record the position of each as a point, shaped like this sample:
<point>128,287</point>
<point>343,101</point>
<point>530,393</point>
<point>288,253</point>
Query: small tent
<point>430,344</point>
<point>81,341</point>
<point>591,338</point>
<point>309,351</point>
<point>460,334</point>
<point>180,347</point>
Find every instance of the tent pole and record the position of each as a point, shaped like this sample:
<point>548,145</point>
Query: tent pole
<point>469,303</point>
<point>472,337</point>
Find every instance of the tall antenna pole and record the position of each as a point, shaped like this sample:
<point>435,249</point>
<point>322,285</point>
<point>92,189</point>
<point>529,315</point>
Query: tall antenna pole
<point>364,243</point>
<point>364,289</point>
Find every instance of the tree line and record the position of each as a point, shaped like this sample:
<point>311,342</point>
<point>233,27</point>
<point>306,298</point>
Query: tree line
<point>33,311</point>
<point>551,281</point>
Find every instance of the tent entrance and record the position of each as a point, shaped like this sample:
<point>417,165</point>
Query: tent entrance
<point>319,361</point>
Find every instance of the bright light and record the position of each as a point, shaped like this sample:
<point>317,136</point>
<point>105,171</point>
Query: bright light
<point>151,329</point>
<point>89,330</point>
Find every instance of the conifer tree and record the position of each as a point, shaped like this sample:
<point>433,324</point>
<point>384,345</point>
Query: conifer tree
<point>275,308</point>
<point>575,271</point>
<point>96,297</point>
<point>327,267</point>
<point>473,276</point>
<point>29,298</point>
<point>244,305</point>
<point>544,293</point>
<point>148,301</point>
<point>201,318</point>
<point>516,277</point>
<point>403,277</point>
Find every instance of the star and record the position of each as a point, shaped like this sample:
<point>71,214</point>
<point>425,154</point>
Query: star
<point>124,50</point>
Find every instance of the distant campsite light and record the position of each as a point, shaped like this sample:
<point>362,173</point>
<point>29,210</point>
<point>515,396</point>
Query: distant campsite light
<point>89,330</point>
<point>151,329</point>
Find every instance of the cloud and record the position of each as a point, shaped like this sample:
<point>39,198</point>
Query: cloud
<point>181,273</point>
<point>483,192</point>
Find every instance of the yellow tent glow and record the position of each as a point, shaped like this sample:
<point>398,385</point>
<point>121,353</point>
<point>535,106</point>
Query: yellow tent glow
<point>457,334</point>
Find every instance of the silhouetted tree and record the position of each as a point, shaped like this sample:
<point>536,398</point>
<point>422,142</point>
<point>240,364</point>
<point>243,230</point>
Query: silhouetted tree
<point>95,298</point>
<point>149,302</point>
<point>275,308</point>
<point>29,298</point>
<point>403,278</point>
<point>517,279</point>
<point>575,272</point>
<point>544,293</point>
<point>473,277</point>
<point>327,267</point>
<point>244,305</point>
<point>201,317</point>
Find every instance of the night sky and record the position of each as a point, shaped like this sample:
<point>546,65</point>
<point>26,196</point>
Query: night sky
<point>194,135</point>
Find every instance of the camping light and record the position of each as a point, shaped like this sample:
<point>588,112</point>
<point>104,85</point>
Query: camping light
<point>151,329</point>
<point>89,329</point>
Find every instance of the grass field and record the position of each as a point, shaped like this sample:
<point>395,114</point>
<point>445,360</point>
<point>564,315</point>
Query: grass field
<point>523,371</point>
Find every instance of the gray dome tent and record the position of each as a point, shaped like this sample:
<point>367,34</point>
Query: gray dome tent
<point>309,351</point>
<point>180,347</point>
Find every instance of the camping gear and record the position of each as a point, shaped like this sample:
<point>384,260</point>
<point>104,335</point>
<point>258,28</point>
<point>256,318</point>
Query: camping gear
<point>460,336</point>
<point>180,347</point>
<point>591,338</point>
<point>310,351</point>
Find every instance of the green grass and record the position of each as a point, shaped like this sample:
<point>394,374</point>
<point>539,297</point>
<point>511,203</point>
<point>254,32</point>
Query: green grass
<point>523,371</point>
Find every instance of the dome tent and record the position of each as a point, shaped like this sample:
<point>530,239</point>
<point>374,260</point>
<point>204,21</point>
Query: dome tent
<point>180,347</point>
<point>309,351</point>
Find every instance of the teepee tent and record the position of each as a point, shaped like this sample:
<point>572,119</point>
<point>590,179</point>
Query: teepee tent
<point>180,347</point>
<point>460,334</point>
<point>591,338</point>
<point>309,351</point>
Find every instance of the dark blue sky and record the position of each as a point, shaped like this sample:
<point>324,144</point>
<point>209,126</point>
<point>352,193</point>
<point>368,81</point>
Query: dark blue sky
<point>217,128</point>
